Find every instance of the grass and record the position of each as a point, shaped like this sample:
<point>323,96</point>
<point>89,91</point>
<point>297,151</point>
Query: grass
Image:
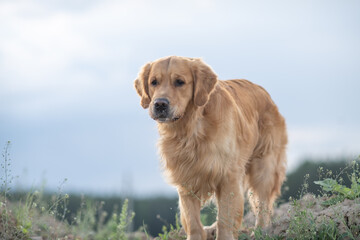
<point>34,216</point>
<point>37,216</point>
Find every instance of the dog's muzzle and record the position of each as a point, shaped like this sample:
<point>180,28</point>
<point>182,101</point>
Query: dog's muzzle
<point>161,108</point>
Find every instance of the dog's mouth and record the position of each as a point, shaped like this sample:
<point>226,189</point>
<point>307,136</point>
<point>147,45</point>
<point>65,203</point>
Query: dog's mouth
<point>166,115</point>
<point>167,119</point>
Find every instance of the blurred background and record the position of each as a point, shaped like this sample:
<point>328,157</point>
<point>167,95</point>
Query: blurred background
<point>69,108</point>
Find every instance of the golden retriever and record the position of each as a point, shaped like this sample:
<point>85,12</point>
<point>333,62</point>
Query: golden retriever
<point>217,138</point>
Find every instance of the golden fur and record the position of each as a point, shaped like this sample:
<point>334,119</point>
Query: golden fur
<point>219,138</point>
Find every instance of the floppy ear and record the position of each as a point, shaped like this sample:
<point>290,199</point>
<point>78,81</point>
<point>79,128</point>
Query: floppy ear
<point>141,85</point>
<point>204,82</point>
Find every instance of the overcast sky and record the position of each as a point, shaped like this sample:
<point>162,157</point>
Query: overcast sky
<point>68,105</point>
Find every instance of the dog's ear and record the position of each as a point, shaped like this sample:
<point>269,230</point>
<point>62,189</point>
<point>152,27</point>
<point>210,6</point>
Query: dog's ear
<point>204,81</point>
<point>141,85</point>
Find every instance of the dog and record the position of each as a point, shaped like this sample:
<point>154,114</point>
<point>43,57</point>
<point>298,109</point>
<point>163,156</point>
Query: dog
<point>217,138</point>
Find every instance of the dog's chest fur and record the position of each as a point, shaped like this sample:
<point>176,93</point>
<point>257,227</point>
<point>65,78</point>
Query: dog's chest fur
<point>198,158</point>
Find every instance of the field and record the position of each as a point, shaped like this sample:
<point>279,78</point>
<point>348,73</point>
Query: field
<point>324,203</point>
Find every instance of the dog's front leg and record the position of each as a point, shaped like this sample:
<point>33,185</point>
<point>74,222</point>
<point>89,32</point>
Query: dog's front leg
<point>190,205</point>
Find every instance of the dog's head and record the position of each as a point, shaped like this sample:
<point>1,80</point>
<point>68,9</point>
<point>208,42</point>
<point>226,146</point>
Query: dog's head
<point>168,85</point>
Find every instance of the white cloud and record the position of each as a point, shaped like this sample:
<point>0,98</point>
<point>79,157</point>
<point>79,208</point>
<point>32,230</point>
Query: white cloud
<point>51,58</point>
<point>37,48</point>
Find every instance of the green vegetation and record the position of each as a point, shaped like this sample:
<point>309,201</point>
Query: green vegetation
<point>315,210</point>
<point>339,191</point>
<point>315,170</point>
<point>30,218</point>
<point>322,216</point>
<point>174,233</point>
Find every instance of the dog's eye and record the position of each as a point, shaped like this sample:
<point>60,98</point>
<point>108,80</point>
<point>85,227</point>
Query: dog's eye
<point>179,83</point>
<point>154,82</point>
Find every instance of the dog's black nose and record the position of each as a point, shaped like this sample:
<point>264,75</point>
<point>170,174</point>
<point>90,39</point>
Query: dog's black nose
<point>161,104</point>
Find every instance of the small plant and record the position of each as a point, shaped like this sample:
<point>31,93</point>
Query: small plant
<point>5,180</point>
<point>173,233</point>
<point>8,224</point>
<point>84,222</point>
<point>302,224</point>
<point>115,229</point>
<point>25,212</point>
<point>339,191</point>
<point>259,234</point>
